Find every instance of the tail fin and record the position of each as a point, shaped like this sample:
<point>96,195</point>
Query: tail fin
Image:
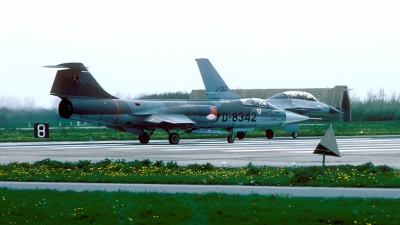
<point>216,88</point>
<point>75,80</point>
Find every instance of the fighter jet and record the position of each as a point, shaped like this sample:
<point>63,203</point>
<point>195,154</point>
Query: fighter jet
<point>294,101</point>
<point>83,99</point>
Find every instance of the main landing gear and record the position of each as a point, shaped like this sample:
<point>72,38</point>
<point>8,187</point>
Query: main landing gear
<point>173,138</point>
<point>241,134</point>
<point>145,138</point>
<point>269,133</point>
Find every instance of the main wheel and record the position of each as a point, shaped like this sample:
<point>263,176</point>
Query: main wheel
<point>241,134</point>
<point>231,138</point>
<point>144,139</point>
<point>174,138</point>
<point>294,134</point>
<point>269,133</point>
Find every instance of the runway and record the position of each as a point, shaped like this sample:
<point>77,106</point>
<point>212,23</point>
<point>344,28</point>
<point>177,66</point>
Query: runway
<point>380,150</point>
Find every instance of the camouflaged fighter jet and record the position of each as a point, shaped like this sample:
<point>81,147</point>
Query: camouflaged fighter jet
<point>293,101</point>
<point>83,99</point>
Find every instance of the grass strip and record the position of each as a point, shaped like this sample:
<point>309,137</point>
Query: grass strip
<point>146,171</point>
<point>69,207</point>
<point>84,133</point>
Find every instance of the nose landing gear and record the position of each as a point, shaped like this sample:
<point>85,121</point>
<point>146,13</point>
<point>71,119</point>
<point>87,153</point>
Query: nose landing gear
<point>231,138</point>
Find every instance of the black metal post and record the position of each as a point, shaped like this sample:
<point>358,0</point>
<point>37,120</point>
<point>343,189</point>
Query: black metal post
<point>323,163</point>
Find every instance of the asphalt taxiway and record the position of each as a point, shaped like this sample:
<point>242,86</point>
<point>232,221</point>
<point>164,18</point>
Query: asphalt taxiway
<point>227,189</point>
<point>380,150</point>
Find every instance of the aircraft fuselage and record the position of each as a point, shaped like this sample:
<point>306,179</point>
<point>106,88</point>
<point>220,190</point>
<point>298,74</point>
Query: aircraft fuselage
<point>225,114</point>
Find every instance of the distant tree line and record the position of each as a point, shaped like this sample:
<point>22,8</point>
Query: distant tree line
<point>24,117</point>
<point>167,95</point>
<point>375,107</point>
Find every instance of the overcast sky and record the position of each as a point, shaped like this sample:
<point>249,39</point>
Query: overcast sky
<point>145,47</point>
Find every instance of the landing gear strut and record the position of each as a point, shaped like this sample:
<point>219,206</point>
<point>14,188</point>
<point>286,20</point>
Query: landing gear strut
<point>231,138</point>
<point>269,133</point>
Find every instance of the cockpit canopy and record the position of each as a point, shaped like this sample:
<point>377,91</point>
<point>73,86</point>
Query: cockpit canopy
<point>295,95</point>
<point>257,102</point>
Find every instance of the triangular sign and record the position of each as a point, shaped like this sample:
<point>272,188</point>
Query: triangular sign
<point>328,144</point>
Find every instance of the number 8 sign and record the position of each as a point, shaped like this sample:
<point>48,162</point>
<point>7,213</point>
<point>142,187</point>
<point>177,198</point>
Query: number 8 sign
<point>41,130</point>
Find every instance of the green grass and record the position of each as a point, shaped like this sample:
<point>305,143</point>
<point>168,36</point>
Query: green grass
<point>120,171</point>
<point>100,133</point>
<point>69,207</point>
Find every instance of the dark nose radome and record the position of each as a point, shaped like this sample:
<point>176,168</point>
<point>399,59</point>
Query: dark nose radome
<point>333,110</point>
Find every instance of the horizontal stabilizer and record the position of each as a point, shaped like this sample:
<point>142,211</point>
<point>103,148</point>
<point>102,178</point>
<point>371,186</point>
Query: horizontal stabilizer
<point>56,67</point>
<point>69,66</point>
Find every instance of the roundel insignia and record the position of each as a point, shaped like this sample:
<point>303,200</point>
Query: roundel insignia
<point>212,113</point>
<point>75,77</point>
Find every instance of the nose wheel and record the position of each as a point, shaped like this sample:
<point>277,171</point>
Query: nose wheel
<point>294,134</point>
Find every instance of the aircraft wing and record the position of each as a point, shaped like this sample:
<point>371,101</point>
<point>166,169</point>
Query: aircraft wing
<point>169,118</point>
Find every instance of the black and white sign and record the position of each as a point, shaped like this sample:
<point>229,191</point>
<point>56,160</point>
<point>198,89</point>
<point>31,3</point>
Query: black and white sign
<point>41,130</point>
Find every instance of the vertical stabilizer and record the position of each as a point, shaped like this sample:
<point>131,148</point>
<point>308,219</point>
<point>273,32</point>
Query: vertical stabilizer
<point>75,80</point>
<point>216,88</point>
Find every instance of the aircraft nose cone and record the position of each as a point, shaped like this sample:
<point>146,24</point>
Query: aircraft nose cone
<point>333,110</point>
<point>295,118</point>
